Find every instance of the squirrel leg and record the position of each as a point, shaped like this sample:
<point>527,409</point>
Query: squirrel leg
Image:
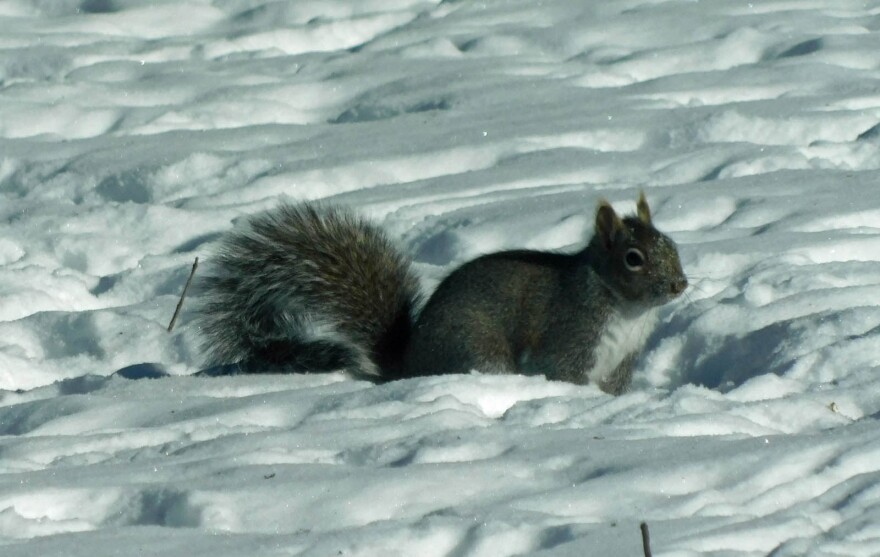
<point>489,352</point>
<point>485,351</point>
<point>619,380</point>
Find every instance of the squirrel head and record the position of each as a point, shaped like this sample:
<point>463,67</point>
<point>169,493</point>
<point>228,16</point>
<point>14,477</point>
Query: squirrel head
<point>637,262</point>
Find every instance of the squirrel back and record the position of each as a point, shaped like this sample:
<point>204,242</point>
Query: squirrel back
<point>306,288</point>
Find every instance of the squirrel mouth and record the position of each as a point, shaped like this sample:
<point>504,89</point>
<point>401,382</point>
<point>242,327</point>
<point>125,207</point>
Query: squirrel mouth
<point>673,290</point>
<point>678,286</point>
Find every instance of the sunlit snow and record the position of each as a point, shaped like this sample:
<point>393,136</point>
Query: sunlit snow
<point>134,133</point>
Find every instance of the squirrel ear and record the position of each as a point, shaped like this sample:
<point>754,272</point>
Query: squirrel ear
<point>608,224</point>
<point>644,211</point>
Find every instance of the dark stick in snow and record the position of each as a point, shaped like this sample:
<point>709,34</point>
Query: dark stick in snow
<point>183,295</point>
<point>646,540</point>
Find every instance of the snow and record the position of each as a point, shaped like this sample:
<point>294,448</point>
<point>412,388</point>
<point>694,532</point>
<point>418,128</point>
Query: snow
<point>133,134</point>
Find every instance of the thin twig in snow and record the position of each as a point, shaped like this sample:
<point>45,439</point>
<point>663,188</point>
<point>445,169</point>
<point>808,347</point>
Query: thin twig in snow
<point>646,539</point>
<point>183,295</point>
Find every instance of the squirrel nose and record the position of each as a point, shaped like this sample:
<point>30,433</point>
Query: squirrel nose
<point>677,286</point>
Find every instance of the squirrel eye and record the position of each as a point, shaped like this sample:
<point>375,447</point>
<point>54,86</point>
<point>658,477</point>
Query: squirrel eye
<point>634,260</point>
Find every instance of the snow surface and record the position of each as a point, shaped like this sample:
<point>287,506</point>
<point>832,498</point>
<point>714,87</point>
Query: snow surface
<point>133,133</point>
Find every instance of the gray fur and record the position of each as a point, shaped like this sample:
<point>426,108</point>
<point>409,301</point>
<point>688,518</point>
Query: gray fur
<point>310,288</point>
<point>546,313</point>
<point>306,288</point>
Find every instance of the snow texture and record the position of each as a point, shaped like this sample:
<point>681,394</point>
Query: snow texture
<point>133,134</point>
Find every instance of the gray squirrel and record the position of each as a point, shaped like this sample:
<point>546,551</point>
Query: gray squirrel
<point>305,287</point>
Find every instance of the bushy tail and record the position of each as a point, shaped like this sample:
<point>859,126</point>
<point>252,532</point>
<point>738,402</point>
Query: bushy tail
<point>308,288</point>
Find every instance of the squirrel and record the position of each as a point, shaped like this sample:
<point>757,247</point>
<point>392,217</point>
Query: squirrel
<point>306,287</point>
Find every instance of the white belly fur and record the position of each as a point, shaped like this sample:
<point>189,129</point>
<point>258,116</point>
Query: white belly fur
<point>621,337</point>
